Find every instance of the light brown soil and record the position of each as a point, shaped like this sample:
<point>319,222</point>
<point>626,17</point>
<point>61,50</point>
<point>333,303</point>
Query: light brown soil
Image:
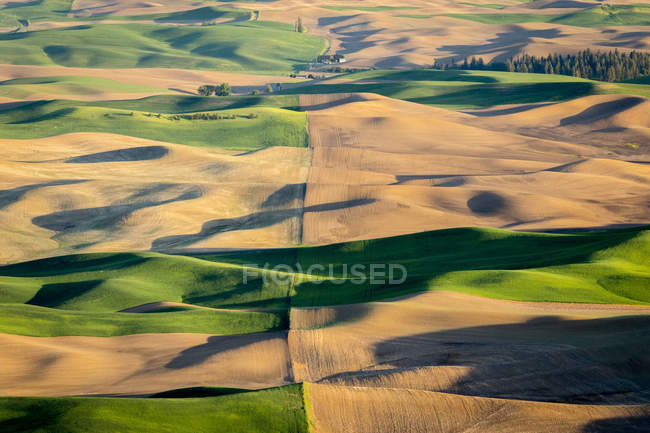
<point>395,167</point>
<point>361,410</point>
<point>607,121</point>
<point>102,192</point>
<point>140,364</point>
<point>461,344</point>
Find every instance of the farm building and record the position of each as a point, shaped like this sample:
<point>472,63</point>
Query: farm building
<point>330,59</point>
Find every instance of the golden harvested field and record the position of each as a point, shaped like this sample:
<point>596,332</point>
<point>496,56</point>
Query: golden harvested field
<point>403,167</point>
<point>101,192</point>
<point>358,409</point>
<point>140,364</point>
<point>450,342</point>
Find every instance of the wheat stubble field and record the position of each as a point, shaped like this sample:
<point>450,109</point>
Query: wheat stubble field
<point>187,187</point>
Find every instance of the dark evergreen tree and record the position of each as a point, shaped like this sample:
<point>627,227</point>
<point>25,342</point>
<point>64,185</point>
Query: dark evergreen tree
<point>601,66</point>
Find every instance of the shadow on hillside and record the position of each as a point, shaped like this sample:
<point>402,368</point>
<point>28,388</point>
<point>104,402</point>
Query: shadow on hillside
<point>143,153</point>
<point>543,359</point>
<point>71,264</point>
<point>104,217</point>
<point>631,424</point>
<point>559,4</point>
<point>235,294</point>
<point>504,46</point>
<point>308,318</point>
<point>593,229</point>
<point>285,195</point>
<point>55,295</point>
<point>14,104</point>
<point>177,104</point>
<point>92,8</point>
<point>353,41</point>
<point>14,5</point>
<point>10,196</point>
<point>343,100</point>
<point>506,111</point>
<point>52,115</point>
<point>479,96</point>
<point>436,75</point>
<point>252,221</point>
<point>34,416</point>
<point>430,255</point>
<point>602,111</point>
<point>217,344</point>
<point>501,94</point>
<point>186,92</point>
<point>449,180</point>
<point>330,21</point>
<point>629,40</point>
<point>487,203</point>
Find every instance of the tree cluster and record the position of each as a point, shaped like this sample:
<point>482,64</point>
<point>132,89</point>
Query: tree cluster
<point>609,66</point>
<point>222,89</point>
<point>601,66</point>
<point>199,116</point>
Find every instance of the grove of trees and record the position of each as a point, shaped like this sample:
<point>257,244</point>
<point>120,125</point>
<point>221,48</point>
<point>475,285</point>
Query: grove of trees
<point>222,89</point>
<point>602,66</point>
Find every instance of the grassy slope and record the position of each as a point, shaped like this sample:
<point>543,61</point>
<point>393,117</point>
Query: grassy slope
<point>191,104</point>
<point>140,118</point>
<point>271,410</point>
<point>460,89</point>
<point>202,14</point>
<point>641,80</point>
<point>113,282</point>
<point>470,89</point>
<point>34,10</point>
<point>20,88</point>
<point>246,46</point>
<point>81,295</point>
<point>611,267</point>
<point>48,322</point>
<point>626,88</point>
<point>608,267</point>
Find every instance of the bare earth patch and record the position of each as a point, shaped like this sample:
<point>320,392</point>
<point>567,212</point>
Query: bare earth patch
<point>101,192</point>
<point>358,409</point>
<point>140,364</point>
<point>404,167</point>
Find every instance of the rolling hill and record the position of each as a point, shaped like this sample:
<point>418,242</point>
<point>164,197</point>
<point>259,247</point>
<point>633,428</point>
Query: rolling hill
<point>258,125</point>
<point>254,46</point>
<point>83,294</point>
<point>280,409</point>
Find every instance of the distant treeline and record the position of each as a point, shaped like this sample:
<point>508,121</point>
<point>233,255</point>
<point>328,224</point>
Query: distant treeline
<point>201,116</point>
<point>601,66</point>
